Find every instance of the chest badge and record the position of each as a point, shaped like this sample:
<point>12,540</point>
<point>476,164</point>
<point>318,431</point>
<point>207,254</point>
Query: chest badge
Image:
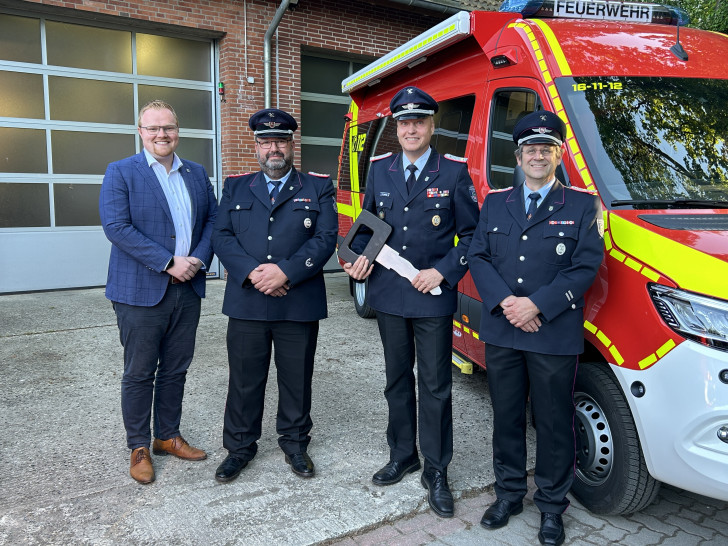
<point>436,220</point>
<point>307,223</point>
<point>381,214</point>
<point>560,249</point>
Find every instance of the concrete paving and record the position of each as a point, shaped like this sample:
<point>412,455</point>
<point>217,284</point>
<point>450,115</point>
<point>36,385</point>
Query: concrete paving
<point>64,463</point>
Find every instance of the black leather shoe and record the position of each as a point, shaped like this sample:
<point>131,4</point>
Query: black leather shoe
<point>230,468</point>
<point>394,471</point>
<point>438,493</point>
<point>497,514</point>
<point>552,529</point>
<point>301,464</point>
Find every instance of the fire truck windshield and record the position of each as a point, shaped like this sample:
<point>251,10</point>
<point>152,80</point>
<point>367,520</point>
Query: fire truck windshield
<point>652,141</point>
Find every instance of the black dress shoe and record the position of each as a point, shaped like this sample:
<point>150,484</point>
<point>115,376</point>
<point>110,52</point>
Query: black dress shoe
<point>438,493</point>
<point>394,471</point>
<point>497,514</point>
<point>230,468</point>
<point>301,464</point>
<point>552,529</point>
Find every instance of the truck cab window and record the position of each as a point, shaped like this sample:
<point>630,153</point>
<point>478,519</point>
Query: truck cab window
<point>452,127</point>
<point>509,106</point>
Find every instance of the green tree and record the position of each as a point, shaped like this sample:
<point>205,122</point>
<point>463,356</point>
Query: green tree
<point>707,14</point>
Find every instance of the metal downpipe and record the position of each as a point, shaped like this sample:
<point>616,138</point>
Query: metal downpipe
<point>266,51</point>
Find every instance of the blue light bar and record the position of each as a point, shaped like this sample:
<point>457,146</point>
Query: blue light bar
<point>600,10</point>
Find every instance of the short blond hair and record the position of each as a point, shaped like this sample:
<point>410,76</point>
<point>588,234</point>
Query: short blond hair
<point>156,104</point>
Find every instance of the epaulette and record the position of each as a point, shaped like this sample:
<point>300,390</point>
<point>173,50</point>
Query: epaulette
<point>378,157</point>
<point>456,158</point>
<point>319,174</point>
<point>583,190</point>
<point>238,175</point>
<point>492,190</point>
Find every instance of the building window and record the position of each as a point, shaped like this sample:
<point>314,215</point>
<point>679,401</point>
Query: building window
<point>323,107</point>
<point>69,98</point>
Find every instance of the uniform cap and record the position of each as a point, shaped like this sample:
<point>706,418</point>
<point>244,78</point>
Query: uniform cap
<point>271,123</point>
<point>411,103</point>
<point>541,127</point>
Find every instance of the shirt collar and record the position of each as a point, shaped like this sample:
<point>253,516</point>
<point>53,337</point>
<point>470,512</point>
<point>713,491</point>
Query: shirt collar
<point>283,178</point>
<point>176,162</point>
<point>419,163</point>
<point>543,191</point>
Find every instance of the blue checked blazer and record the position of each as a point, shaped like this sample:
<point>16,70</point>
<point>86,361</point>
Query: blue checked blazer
<point>137,220</point>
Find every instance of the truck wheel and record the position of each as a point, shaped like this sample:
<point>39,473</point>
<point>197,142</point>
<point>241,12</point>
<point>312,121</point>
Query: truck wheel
<point>611,474</point>
<point>360,290</point>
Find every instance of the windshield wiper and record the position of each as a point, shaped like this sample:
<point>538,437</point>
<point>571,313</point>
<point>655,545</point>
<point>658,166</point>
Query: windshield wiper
<point>679,203</point>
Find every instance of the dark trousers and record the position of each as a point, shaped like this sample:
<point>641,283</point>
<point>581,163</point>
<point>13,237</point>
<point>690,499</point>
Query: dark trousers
<point>249,345</point>
<point>159,343</point>
<point>551,380</point>
<point>430,341</point>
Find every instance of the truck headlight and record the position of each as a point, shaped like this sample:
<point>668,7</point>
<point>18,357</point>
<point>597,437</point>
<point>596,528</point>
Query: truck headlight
<point>695,317</point>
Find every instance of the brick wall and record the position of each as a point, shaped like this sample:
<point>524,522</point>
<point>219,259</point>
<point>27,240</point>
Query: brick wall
<point>344,26</point>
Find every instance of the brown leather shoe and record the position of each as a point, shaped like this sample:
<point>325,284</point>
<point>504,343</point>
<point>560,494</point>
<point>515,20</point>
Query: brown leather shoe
<point>141,468</point>
<point>179,448</point>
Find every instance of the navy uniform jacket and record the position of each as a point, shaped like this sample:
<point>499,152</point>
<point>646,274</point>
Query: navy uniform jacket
<point>298,233</point>
<point>443,204</point>
<point>553,260</point>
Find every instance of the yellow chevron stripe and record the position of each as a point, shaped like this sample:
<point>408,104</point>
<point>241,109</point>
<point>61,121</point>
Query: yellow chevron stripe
<point>688,267</point>
<point>650,359</point>
<point>601,336</point>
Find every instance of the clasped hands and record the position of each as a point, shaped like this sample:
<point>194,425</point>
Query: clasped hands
<point>270,280</point>
<point>522,313</point>
<point>185,267</point>
<point>424,281</point>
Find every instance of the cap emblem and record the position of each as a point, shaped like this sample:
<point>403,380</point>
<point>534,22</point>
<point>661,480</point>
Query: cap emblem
<point>271,124</point>
<point>410,106</point>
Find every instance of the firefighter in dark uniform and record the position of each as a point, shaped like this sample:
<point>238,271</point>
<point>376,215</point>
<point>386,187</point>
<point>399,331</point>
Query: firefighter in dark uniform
<point>277,230</point>
<point>428,199</point>
<point>536,251</point>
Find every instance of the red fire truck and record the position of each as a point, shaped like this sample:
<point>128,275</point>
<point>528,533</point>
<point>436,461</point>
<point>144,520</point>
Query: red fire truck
<point>645,102</point>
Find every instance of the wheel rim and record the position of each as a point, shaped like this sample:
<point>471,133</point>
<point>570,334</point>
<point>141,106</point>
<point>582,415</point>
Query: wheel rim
<point>360,292</point>
<point>594,443</point>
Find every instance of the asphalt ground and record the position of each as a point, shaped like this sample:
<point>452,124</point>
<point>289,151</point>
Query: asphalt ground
<point>64,463</point>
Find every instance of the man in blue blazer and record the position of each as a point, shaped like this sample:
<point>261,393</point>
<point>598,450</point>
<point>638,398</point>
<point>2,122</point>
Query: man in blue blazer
<point>158,211</point>
<point>536,251</point>
<point>428,199</point>
<point>275,232</point>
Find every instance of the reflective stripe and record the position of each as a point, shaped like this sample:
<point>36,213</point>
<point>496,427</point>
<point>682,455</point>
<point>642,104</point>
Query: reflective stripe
<point>689,268</point>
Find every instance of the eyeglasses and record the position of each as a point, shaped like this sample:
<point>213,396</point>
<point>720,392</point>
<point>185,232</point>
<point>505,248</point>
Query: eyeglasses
<point>266,144</point>
<point>168,129</point>
<point>546,151</point>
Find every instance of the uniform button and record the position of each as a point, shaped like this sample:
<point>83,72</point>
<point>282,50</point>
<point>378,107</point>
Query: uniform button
<point>521,258</point>
<point>406,209</point>
<point>495,228</point>
<point>437,205</point>
<point>270,237</point>
<point>271,218</point>
<point>306,207</point>
<point>561,233</point>
<point>237,207</point>
<point>405,228</point>
<point>573,306</point>
<point>404,247</point>
<point>525,238</point>
<point>381,203</point>
<point>520,281</point>
<point>269,256</point>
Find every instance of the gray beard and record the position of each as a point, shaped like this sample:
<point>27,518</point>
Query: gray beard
<point>275,167</point>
